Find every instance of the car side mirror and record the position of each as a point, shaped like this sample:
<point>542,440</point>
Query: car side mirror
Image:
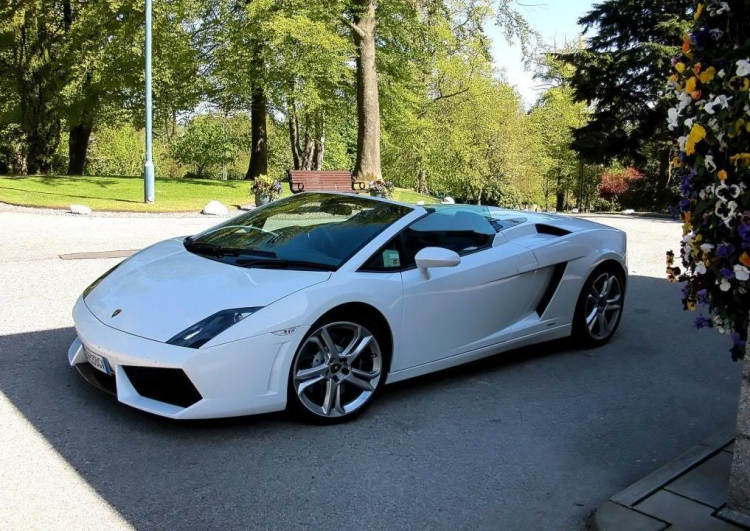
<point>435,257</point>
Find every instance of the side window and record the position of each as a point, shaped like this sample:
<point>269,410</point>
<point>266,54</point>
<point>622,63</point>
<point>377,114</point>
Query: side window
<point>459,230</point>
<point>387,258</point>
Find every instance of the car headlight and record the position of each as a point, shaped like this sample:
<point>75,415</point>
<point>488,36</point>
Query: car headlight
<point>204,331</point>
<point>98,281</point>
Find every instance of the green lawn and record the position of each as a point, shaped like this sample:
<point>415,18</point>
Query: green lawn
<point>126,193</point>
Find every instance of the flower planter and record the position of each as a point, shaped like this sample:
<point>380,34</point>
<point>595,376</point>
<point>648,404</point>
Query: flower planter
<point>377,194</point>
<point>261,200</point>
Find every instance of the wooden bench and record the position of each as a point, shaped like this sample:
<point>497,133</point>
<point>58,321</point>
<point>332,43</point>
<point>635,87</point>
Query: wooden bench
<point>324,181</point>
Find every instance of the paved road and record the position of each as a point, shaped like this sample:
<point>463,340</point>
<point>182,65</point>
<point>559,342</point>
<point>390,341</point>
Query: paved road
<point>531,440</point>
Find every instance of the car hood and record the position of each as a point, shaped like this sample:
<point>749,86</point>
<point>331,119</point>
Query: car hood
<point>165,289</point>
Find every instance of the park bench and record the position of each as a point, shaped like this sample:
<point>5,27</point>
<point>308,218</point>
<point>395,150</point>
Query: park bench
<point>324,181</point>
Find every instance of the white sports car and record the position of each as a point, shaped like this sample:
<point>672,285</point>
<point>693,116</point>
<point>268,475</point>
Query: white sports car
<point>315,301</point>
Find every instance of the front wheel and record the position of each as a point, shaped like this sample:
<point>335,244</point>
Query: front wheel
<point>599,307</point>
<point>337,371</point>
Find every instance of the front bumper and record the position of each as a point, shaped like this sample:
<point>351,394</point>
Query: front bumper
<point>243,377</point>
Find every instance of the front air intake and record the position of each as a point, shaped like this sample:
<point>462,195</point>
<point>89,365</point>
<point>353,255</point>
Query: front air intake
<point>171,386</point>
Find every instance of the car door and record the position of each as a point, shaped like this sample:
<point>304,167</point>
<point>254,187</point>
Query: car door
<point>466,307</point>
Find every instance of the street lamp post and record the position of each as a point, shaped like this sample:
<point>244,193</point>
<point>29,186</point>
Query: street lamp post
<point>148,166</point>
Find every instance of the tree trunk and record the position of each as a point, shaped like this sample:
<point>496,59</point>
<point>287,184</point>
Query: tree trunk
<point>78,145</point>
<point>739,481</point>
<point>259,134</point>
<point>294,138</point>
<point>307,153</point>
<point>367,166</point>
<point>320,142</point>
<point>422,182</point>
<point>318,151</point>
<point>662,194</point>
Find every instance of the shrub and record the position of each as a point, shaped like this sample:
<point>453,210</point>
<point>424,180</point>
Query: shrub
<point>616,183</point>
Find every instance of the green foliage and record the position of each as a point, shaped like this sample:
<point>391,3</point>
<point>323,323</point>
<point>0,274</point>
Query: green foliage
<point>209,143</point>
<point>620,73</point>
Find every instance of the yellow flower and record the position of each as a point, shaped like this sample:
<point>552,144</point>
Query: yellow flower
<point>691,305</point>
<point>676,161</point>
<point>698,11</point>
<point>739,157</point>
<point>722,175</point>
<point>696,68</point>
<point>697,133</point>
<point>745,259</point>
<point>707,75</point>
<point>680,67</point>
<point>690,85</point>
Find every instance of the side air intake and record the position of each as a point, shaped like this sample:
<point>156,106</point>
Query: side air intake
<point>551,229</point>
<point>554,282</point>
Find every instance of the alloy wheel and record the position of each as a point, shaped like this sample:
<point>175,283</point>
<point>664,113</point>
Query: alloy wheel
<point>603,306</point>
<point>337,369</point>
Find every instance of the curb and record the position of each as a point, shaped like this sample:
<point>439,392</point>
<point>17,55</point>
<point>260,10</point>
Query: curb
<point>618,513</point>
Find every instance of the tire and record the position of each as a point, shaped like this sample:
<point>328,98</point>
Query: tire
<point>597,315</point>
<point>330,389</point>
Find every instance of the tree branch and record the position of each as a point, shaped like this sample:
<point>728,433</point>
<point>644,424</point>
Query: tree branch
<point>359,31</point>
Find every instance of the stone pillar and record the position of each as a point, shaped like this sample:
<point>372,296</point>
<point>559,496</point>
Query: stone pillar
<point>738,505</point>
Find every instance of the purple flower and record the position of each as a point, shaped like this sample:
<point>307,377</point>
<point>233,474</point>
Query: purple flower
<point>725,250</point>
<point>685,205</point>
<point>674,212</point>
<point>701,322</point>
<point>728,273</point>
<point>702,296</point>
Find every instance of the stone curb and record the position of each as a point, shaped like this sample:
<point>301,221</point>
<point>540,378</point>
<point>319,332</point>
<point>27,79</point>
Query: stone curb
<point>618,514</point>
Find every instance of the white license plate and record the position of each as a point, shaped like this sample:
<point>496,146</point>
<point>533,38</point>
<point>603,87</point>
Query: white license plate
<point>98,362</point>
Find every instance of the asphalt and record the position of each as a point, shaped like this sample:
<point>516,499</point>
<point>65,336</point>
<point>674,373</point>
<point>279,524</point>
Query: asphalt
<point>530,440</point>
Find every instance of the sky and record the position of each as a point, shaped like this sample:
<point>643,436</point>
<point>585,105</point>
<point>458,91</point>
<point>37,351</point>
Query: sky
<point>555,20</point>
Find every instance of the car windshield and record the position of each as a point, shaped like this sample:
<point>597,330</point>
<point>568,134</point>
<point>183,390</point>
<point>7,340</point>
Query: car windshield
<point>306,231</point>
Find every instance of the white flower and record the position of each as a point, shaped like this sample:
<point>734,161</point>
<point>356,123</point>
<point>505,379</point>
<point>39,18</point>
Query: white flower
<point>688,238</point>
<point>741,273</point>
<point>720,101</point>
<point>673,118</point>
<point>706,247</point>
<point>681,141</point>
<point>685,100</point>
<point>710,164</point>
<point>743,67</point>
<point>721,73</point>
<point>713,123</point>
<point>700,268</point>
<point>689,123</point>
<point>717,8</point>
<point>724,286</point>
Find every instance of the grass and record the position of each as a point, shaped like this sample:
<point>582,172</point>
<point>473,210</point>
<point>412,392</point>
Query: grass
<point>113,193</point>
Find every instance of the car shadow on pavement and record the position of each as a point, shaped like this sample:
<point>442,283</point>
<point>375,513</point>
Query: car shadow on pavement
<point>470,447</point>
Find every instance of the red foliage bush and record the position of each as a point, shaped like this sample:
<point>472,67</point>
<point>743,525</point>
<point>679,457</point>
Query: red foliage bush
<point>614,184</point>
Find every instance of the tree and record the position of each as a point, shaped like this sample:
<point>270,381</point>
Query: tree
<point>555,117</point>
<point>32,55</point>
<point>620,73</point>
<point>210,142</point>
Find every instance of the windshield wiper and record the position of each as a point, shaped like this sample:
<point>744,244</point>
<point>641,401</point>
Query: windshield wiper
<point>283,263</point>
<point>210,249</point>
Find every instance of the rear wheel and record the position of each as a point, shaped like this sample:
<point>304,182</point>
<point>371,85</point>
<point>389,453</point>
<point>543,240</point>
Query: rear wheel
<point>599,307</point>
<point>337,371</point>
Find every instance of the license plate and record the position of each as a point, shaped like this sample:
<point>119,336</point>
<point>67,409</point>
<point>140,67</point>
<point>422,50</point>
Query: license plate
<point>98,362</point>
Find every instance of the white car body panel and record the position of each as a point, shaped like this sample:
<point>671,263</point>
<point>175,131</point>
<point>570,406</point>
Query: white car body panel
<point>485,305</point>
